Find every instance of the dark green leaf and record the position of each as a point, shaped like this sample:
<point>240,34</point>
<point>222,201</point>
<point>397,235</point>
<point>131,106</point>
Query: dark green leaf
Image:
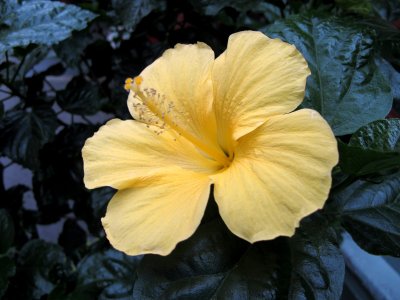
<point>84,292</point>
<point>130,13</point>
<point>388,10</point>
<point>212,8</point>
<point>361,162</point>
<point>258,14</point>
<point>60,176</point>
<point>27,60</point>
<point>80,97</point>
<point>370,211</point>
<point>99,200</point>
<point>373,148</point>
<point>111,271</point>
<point>96,208</point>
<point>24,223</point>
<point>382,135</point>
<point>34,86</point>
<point>362,7</point>
<point>72,236</point>
<point>7,270</point>
<point>7,7</point>
<point>392,76</point>
<point>72,49</point>
<point>387,37</point>
<point>23,133</point>
<point>346,86</point>
<point>6,231</point>
<point>318,265</point>
<point>41,22</point>
<point>197,267</point>
<point>40,266</point>
<point>215,264</point>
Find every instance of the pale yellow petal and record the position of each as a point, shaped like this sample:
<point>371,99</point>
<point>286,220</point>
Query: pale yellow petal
<point>122,152</point>
<point>176,92</point>
<point>280,174</point>
<point>254,78</point>
<point>157,214</point>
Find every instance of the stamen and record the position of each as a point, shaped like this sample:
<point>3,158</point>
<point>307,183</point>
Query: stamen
<point>155,109</point>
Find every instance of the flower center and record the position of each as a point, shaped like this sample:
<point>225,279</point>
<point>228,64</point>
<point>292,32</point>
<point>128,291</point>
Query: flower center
<point>154,109</point>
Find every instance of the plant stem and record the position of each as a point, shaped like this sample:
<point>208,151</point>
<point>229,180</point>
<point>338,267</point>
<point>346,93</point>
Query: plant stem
<point>6,98</point>
<point>87,120</point>
<point>18,69</point>
<point>7,69</point>
<point>7,165</point>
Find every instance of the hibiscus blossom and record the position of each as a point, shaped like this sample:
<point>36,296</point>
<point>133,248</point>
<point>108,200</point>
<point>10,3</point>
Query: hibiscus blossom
<point>200,121</point>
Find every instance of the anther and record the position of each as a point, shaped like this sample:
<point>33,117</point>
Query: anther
<point>128,84</point>
<point>138,80</point>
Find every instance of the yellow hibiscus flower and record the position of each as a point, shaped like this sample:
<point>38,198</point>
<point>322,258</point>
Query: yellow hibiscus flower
<point>201,121</point>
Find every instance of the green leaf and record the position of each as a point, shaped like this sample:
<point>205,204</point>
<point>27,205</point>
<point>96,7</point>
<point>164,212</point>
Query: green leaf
<point>23,133</point>
<point>96,208</point>
<point>6,231</point>
<point>370,212</point>
<point>130,13</point>
<point>318,265</point>
<point>257,15</point>
<point>197,267</point>
<point>215,264</point>
<point>80,97</point>
<point>373,148</point>
<point>388,10</point>
<point>111,271</point>
<point>345,85</point>
<point>72,49</point>
<point>23,220</point>
<point>40,266</point>
<point>72,236</point>
<point>7,270</point>
<point>41,22</point>
<point>212,8</point>
<point>28,58</point>
<point>387,37</point>
<point>362,7</point>
<point>392,76</point>
<point>382,135</point>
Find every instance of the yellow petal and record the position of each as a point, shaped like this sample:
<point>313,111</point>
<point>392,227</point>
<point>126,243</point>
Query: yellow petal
<point>178,91</point>
<point>157,214</point>
<point>280,174</point>
<point>254,78</point>
<point>122,152</point>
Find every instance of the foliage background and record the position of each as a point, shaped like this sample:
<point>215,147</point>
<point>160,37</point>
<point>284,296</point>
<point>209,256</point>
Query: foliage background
<point>62,69</point>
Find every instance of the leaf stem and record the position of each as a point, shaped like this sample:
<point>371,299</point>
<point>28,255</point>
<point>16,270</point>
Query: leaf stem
<point>13,90</point>
<point>5,92</point>
<point>18,68</point>
<point>6,98</point>
<point>7,69</point>
<point>8,165</point>
<point>87,120</point>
